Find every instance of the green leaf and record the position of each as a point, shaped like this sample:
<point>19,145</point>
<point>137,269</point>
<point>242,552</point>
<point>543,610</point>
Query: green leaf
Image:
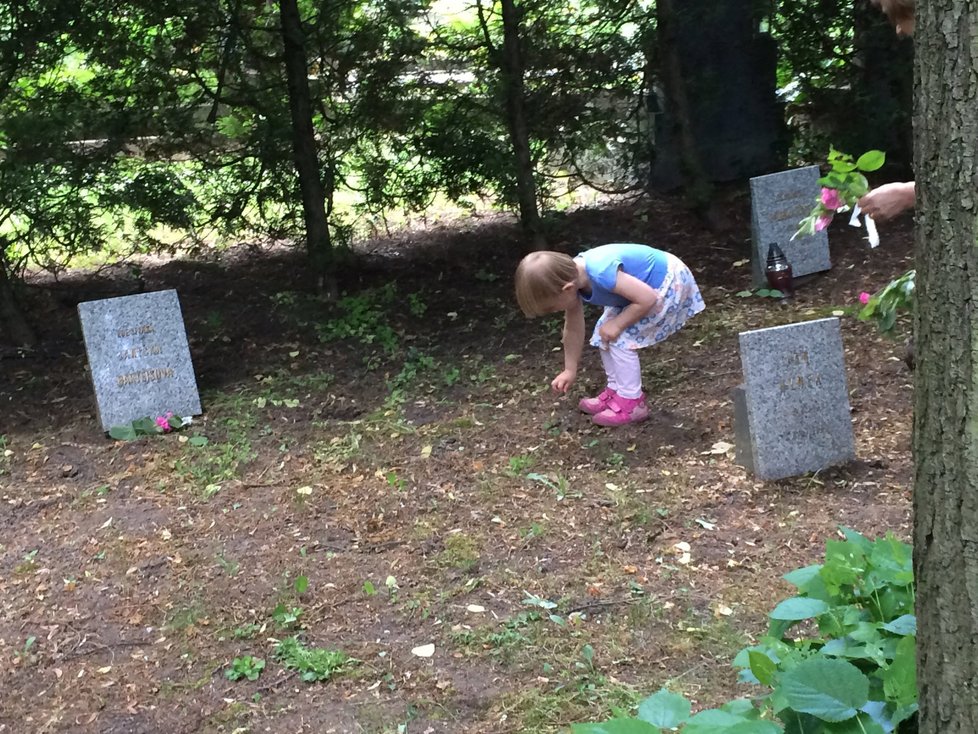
<point>764,292</point>
<point>146,427</point>
<point>752,727</point>
<point>123,433</point>
<point>861,724</point>
<point>301,584</point>
<point>871,160</point>
<point>711,721</point>
<point>762,667</point>
<point>905,625</point>
<point>832,690</point>
<point>368,588</point>
<point>664,709</point>
<point>900,679</point>
<point>740,707</point>
<point>744,294</point>
<point>857,538</point>
<point>798,608</point>
<point>616,726</point>
<point>198,441</point>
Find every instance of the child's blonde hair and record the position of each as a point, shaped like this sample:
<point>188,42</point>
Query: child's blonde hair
<point>540,277</point>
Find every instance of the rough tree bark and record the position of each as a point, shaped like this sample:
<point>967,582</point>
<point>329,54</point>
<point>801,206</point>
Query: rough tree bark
<point>512,73</point>
<point>945,432</point>
<point>13,322</point>
<point>699,189</point>
<point>304,149</point>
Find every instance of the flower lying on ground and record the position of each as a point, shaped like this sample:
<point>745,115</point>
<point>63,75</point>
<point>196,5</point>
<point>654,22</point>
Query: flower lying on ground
<point>147,426</point>
<point>864,298</point>
<point>163,421</point>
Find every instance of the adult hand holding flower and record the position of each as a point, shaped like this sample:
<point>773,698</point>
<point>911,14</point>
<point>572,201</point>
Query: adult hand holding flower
<point>842,187</point>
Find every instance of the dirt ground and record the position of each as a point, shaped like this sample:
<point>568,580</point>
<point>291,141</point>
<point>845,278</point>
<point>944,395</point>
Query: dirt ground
<point>391,472</point>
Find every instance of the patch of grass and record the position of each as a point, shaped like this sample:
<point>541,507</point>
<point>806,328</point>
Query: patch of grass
<point>231,568</point>
<point>5,454</point>
<point>339,449</point>
<point>539,710</point>
<point>502,642</point>
<point>461,552</point>
<point>28,564</point>
<point>362,317</point>
<point>215,462</point>
<point>185,617</point>
<point>518,465</point>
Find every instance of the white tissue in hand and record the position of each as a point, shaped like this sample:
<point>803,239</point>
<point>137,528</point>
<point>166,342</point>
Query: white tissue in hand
<point>873,235</point>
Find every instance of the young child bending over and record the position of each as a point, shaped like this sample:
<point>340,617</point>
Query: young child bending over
<point>647,295</point>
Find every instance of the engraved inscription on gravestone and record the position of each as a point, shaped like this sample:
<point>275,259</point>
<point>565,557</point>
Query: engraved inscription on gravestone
<point>779,201</point>
<point>138,357</point>
<point>791,415</point>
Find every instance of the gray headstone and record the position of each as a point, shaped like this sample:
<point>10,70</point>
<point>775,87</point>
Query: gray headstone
<point>779,201</point>
<point>791,414</point>
<point>138,357</point>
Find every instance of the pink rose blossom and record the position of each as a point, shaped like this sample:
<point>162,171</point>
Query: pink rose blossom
<point>822,222</point>
<point>864,298</point>
<point>163,423</point>
<point>831,199</point>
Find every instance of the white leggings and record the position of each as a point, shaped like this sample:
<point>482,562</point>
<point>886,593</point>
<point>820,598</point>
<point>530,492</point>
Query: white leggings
<point>623,370</point>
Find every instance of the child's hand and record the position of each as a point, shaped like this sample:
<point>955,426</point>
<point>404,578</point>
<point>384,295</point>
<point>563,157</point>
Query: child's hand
<point>609,332</point>
<point>562,382</point>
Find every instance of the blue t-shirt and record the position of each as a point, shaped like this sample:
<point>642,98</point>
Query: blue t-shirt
<point>602,264</point>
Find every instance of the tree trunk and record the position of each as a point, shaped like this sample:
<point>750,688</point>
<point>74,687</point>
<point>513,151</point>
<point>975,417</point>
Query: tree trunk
<point>699,189</point>
<point>304,147</point>
<point>512,73</point>
<point>12,318</point>
<point>945,432</point>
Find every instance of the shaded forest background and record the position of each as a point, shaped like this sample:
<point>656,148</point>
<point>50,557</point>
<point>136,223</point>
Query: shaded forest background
<point>180,126</point>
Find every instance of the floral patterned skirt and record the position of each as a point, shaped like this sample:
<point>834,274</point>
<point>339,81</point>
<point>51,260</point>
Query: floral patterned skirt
<point>681,300</point>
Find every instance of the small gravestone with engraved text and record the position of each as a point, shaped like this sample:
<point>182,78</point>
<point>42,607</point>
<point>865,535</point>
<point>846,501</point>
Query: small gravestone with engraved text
<point>791,414</point>
<point>138,357</point>
<point>779,201</point>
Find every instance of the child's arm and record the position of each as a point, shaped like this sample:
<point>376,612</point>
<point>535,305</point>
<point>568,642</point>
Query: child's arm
<point>643,299</point>
<point>573,346</point>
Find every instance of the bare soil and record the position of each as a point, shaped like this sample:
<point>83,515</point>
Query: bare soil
<point>402,451</point>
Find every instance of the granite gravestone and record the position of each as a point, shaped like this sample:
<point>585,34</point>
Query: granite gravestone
<point>791,415</point>
<point>138,357</point>
<point>779,201</point>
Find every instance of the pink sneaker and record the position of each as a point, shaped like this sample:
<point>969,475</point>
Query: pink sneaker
<point>622,410</point>
<point>593,406</point>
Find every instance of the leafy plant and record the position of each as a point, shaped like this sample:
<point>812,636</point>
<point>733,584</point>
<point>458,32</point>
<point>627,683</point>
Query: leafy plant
<point>887,304</point>
<point>245,667</point>
<point>286,616</point>
<point>313,663</point>
<point>559,484</point>
<point>24,654</point>
<point>852,671</point>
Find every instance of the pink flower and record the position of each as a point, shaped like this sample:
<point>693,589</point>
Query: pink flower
<point>864,298</point>
<point>823,221</point>
<point>163,423</point>
<point>831,199</point>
